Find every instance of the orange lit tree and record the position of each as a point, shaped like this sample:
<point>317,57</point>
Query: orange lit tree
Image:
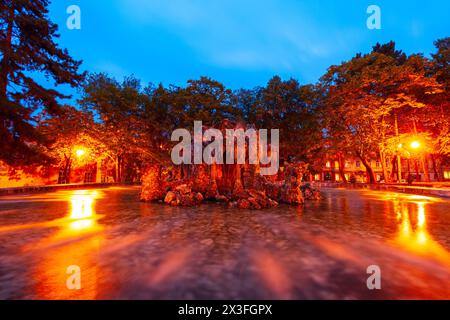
<point>366,95</point>
<point>73,141</point>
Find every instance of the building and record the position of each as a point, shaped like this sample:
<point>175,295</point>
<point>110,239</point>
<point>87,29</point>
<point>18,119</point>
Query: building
<point>355,171</point>
<point>39,176</point>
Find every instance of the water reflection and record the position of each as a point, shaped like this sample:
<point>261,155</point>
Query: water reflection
<point>77,242</point>
<point>82,203</point>
<point>82,209</point>
<point>412,234</point>
<point>151,251</point>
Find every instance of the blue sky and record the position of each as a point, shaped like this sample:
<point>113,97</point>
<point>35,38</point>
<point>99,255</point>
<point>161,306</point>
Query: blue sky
<point>241,43</point>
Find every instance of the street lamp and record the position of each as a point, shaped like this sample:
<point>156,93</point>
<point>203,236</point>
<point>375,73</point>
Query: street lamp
<point>80,152</point>
<point>418,149</point>
<point>415,145</point>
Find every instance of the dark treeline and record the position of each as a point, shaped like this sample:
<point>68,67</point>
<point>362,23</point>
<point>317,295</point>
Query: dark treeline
<point>139,121</point>
<point>367,107</point>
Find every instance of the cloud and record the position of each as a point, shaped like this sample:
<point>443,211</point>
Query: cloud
<point>111,69</point>
<point>245,34</point>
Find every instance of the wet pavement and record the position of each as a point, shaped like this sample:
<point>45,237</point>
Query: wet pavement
<point>126,249</point>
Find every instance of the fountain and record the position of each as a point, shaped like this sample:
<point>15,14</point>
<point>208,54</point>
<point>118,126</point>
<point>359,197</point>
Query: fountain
<point>238,185</point>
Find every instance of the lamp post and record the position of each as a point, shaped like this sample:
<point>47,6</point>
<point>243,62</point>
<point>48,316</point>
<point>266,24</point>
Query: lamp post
<point>399,163</point>
<point>80,152</point>
<point>415,145</point>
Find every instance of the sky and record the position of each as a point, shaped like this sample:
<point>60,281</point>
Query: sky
<point>241,43</point>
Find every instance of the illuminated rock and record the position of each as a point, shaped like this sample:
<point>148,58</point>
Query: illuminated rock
<point>170,196</point>
<point>183,189</point>
<point>238,185</point>
<point>152,186</point>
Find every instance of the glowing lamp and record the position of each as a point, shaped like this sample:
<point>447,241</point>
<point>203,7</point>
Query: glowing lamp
<point>415,144</point>
<point>80,153</point>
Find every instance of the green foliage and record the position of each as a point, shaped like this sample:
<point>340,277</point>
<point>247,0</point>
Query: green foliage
<point>27,47</point>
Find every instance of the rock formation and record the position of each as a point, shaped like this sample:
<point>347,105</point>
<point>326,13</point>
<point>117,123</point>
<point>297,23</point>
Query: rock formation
<point>238,185</point>
<point>219,184</point>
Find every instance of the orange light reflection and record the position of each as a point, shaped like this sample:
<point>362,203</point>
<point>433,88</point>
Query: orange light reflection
<point>80,237</point>
<point>412,232</point>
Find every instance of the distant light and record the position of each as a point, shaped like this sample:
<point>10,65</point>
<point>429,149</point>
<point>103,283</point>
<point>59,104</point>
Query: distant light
<point>415,144</point>
<point>80,153</point>
<point>400,146</point>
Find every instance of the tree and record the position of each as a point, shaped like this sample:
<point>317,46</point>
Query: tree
<point>117,106</point>
<point>438,120</point>
<point>441,61</point>
<point>246,101</point>
<point>365,96</point>
<point>27,47</point>
<point>289,107</point>
<point>127,120</point>
<point>69,133</point>
<point>207,100</point>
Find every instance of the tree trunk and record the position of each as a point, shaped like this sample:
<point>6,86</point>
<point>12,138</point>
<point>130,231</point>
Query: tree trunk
<point>399,169</point>
<point>394,168</point>
<point>383,155</point>
<point>383,165</point>
<point>67,169</point>
<point>370,173</point>
<point>341,162</point>
<point>426,172</point>
<point>417,169</point>
<point>409,168</point>
<point>399,160</point>
<point>436,173</point>
<point>117,174</point>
